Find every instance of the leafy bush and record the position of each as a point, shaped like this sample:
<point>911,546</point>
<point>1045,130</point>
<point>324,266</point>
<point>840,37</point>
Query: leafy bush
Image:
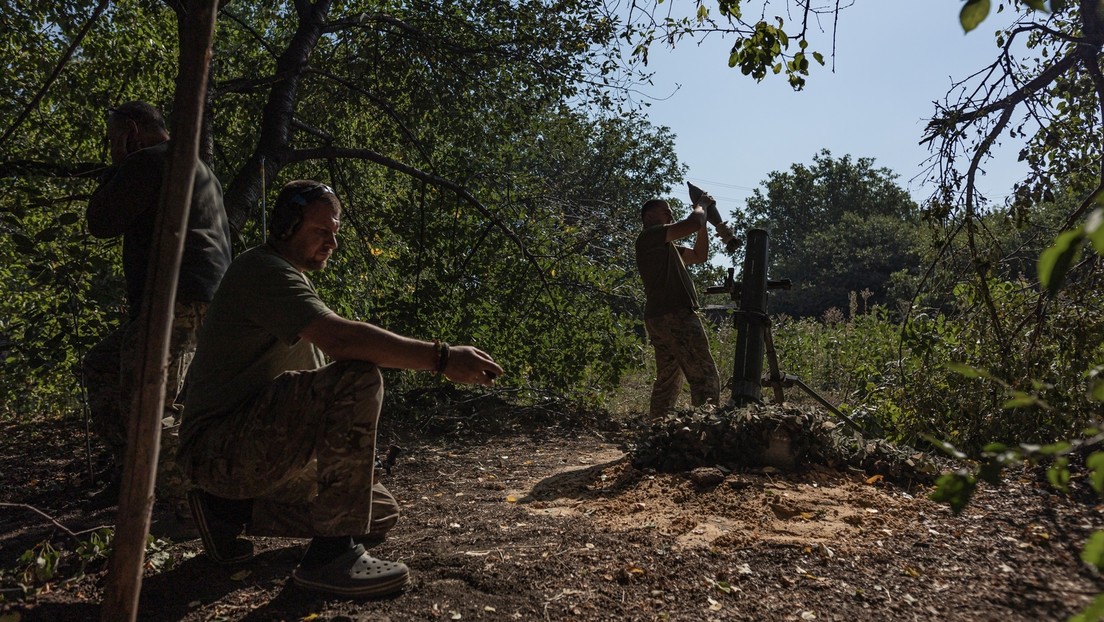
<point>59,290</point>
<point>905,381</point>
<point>1046,362</point>
<point>48,562</point>
<point>957,488</point>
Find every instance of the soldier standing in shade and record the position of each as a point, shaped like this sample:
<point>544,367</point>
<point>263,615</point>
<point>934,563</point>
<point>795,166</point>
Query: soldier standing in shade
<point>670,310</point>
<point>126,204</point>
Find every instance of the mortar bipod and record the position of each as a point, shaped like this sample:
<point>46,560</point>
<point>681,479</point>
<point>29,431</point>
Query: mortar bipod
<point>776,380</point>
<point>754,341</point>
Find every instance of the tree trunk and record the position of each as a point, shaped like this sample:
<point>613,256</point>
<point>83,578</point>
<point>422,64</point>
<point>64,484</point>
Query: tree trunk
<point>124,579</point>
<point>243,193</point>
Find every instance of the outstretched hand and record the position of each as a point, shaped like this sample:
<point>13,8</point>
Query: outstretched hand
<point>470,365</point>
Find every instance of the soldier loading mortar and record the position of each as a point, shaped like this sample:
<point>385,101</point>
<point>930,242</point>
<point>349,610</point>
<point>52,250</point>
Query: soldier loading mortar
<point>745,431</point>
<point>671,317</point>
<point>753,327</point>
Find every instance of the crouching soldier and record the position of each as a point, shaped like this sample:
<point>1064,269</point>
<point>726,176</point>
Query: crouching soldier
<point>277,441</point>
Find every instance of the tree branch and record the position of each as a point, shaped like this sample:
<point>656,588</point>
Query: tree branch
<point>57,70</point>
<point>360,21</point>
<point>31,168</point>
<point>256,35</point>
<point>298,124</point>
<point>946,125</point>
<point>1093,68</point>
<point>247,186</point>
<point>372,156</point>
<point>383,105</point>
<point>244,86</point>
<point>75,535</point>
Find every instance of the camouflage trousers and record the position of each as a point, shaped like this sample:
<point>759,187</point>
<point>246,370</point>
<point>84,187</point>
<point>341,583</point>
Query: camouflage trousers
<point>110,374</point>
<point>304,450</point>
<point>682,353</point>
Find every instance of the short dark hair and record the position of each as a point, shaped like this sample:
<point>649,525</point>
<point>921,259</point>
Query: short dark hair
<point>287,213</point>
<point>148,118</point>
<point>651,205</point>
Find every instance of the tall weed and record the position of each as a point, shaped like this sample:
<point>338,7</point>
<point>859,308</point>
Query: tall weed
<point>902,381</point>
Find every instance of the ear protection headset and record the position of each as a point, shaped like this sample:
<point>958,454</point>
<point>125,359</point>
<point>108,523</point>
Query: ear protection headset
<point>286,218</point>
<point>288,215</point>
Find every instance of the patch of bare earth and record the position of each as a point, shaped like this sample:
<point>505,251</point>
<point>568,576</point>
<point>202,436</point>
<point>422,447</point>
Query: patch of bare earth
<point>563,527</point>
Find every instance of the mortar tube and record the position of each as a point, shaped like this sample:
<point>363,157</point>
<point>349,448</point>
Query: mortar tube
<point>747,370</point>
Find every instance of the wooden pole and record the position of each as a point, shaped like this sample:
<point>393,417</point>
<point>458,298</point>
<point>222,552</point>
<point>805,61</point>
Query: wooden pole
<point>124,575</point>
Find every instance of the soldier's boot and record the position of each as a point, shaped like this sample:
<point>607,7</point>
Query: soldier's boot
<point>221,524</point>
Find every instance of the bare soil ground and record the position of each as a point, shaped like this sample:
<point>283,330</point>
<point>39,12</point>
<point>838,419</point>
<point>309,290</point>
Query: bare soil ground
<point>551,522</point>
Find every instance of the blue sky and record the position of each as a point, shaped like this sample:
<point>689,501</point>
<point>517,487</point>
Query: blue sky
<point>893,59</point>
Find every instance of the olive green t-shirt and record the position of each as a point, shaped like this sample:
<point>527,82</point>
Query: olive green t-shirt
<point>250,336</point>
<point>128,203</point>
<point>667,284</point>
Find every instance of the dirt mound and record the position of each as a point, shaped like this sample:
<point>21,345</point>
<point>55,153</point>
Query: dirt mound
<point>784,437</point>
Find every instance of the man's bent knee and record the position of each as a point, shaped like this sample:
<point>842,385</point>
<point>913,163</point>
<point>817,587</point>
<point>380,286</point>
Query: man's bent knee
<point>345,376</point>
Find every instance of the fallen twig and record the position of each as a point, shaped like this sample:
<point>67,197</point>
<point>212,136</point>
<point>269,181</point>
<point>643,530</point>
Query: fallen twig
<point>72,534</point>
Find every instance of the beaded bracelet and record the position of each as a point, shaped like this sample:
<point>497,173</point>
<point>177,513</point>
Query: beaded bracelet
<point>442,355</point>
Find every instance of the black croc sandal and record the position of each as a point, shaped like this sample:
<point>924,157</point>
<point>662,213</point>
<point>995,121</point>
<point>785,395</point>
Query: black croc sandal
<point>355,574</point>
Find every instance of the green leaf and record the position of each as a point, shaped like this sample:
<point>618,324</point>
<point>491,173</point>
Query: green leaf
<point>1056,260</point>
<point>1093,553</point>
<point>1094,230</point>
<point>1058,474</point>
<point>48,235</point>
<point>955,489</point>
<point>1098,391</point>
<point>1055,449</point>
<point>946,447</point>
<point>1020,399</point>
<point>1095,611</point>
<point>968,371</point>
<point>23,243</point>
<point>990,472</point>
<point>973,13</point>
<point>1095,463</point>
<point>1038,5</point>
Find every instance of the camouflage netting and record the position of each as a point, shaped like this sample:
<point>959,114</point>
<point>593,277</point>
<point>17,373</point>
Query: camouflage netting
<point>783,437</point>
